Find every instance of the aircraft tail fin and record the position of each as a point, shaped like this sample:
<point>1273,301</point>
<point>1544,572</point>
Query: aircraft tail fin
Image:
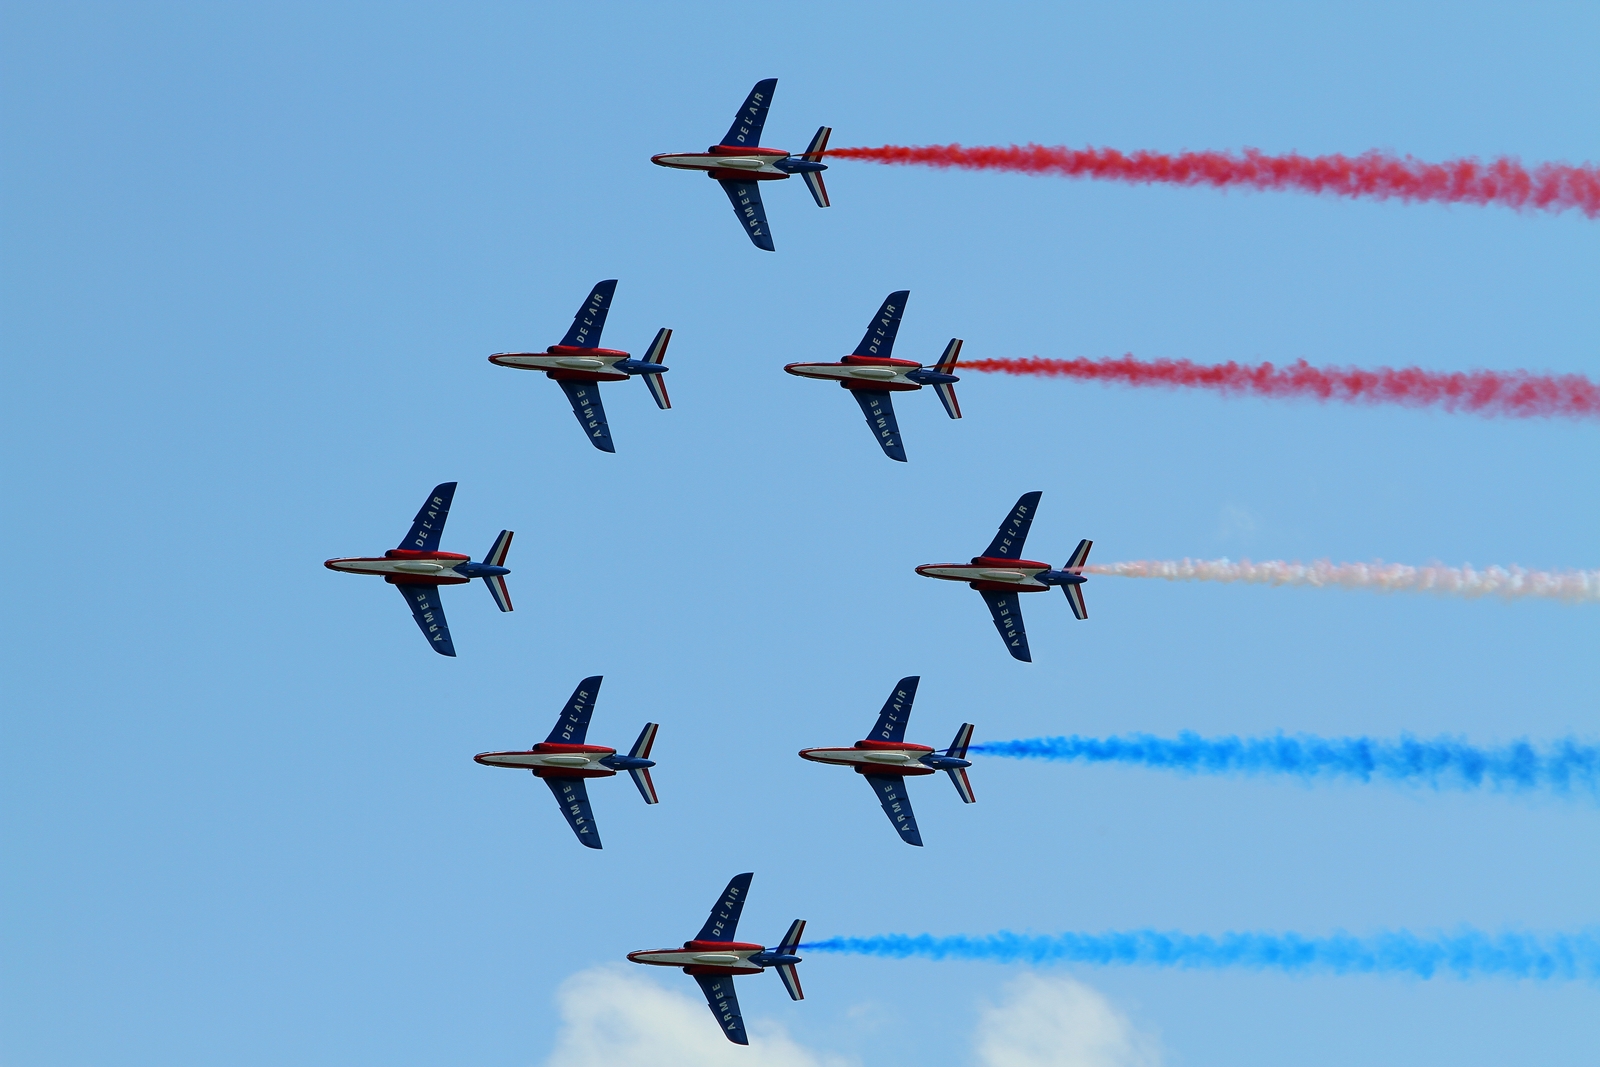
<point>958,775</point>
<point>814,152</point>
<point>641,750</point>
<point>947,390</point>
<point>786,971</point>
<point>496,583</point>
<point>1080,556</point>
<point>657,382</point>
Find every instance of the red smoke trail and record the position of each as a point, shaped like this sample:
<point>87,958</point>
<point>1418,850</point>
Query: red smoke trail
<point>1517,393</point>
<point>1504,181</point>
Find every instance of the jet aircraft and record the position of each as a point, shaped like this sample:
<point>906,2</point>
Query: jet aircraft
<point>1001,573</point>
<point>739,165</point>
<point>417,568</point>
<point>563,760</point>
<point>872,375</point>
<point>714,957</point>
<point>578,364</point>
<point>886,759</point>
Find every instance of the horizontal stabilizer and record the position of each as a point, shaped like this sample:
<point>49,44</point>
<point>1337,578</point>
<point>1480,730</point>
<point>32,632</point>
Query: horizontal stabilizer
<point>947,390</point>
<point>747,124</point>
<point>427,527</point>
<point>1013,532</point>
<point>958,775</point>
<point>813,179</point>
<point>641,775</point>
<point>573,725</point>
<point>1080,557</point>
<point>657,383</point>
<point>423,600</point>
<point>1075,598</point>
<point>496,556</point>
<point>963,738</point>
<point>791,980</point>
<point>573,797</point>
<point>496,584</point>
<point>591,318</point>
<point>646,784</point>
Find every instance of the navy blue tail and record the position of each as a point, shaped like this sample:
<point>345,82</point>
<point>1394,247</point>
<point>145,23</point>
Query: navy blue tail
<point>879,339</point>
<point>891,725</point>
<point>591,318</point>
<point>746,129</point>
<point>429,523</point>
<point>573,726</point>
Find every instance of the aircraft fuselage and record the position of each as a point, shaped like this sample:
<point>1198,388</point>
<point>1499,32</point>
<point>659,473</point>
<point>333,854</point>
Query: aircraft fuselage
<point>732,163</point>
<point>863,372</point>
<point>1004,575</point>
<point>553,760</point>
<point>566,363</point>
<point>704,957</point>
<point>408,566</point>
<point>893,758</point>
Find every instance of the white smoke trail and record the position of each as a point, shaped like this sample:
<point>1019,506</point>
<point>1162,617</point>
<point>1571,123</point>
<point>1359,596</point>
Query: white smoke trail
<point>1510,583</point>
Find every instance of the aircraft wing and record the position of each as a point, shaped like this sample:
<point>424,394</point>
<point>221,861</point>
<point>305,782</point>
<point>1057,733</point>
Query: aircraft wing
<point>590,320</point>
<point>877,406</point>
<point>879,338</point>
<point>746,200</point>
<point>429,523</point>
<point>573,800</point>
<point>891,793</point>
<point>572,728</point>
<point>423,600</point>
<point>1013,533</point>
<point>723,922</point>
<point>585,400</point>
<point>891,724</point>
<point>1006,610</point>
<point>746,129</point>
<point>724,1004</point>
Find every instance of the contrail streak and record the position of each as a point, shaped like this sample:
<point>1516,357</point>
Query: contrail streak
<point>1515,393</point>
<point>1445,762</point>
<point>1376,175</point>
<point>1466,954</point>
<point>1509,583</point>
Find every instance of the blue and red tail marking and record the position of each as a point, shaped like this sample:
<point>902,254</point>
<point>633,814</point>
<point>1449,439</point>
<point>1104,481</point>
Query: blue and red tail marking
<point>947,390</point>
<point>657,382</point>
<point>958,775</point>
<point>641,775</point>
<point>789,946</point>
<point>496,583</point>
<point>813,178</point>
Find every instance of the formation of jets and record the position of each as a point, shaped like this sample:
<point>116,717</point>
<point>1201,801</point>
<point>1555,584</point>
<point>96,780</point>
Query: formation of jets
<point>564,760</point>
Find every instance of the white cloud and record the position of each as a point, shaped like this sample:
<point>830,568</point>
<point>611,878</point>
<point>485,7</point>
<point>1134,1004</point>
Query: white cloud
<point>613,1019</point>
<point>1057,1022</point>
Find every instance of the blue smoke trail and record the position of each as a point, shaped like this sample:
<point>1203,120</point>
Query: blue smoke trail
<point>1466,954</point>
<point>1559,767</point>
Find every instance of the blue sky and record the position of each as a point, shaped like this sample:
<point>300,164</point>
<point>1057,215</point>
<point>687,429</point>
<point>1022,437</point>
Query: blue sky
<point>255,260</point>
